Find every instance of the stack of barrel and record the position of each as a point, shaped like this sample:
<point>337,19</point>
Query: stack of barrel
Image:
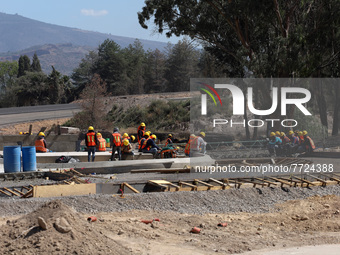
<point>17,156</point>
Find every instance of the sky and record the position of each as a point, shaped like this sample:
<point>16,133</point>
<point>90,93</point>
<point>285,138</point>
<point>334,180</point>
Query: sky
<point>116,17</point>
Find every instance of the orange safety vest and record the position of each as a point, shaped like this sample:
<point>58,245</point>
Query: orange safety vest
<point>40,146</point>
<point>117,139</point>
<point>144,144</point>
<point>311,142</point>
<point>301,139</point>
<point>91,139</point>
<point>192,140</point>
<point>102,144</point>
<point>168,141</point>
<point>143,131</point>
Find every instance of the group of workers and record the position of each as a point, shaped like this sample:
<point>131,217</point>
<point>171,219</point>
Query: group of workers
<point>281,144</point>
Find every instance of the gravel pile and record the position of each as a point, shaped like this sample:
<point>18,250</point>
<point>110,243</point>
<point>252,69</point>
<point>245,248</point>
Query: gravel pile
<point>253,200</point>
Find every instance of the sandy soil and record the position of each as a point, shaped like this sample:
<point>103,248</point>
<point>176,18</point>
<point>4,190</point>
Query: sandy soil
<point>313,221</point>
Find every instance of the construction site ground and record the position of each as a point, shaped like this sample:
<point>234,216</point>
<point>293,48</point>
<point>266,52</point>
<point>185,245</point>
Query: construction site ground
<point>268,220</point>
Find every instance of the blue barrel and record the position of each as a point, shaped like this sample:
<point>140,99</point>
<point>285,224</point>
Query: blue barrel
<point>12,159</point>
<point>29,159</point>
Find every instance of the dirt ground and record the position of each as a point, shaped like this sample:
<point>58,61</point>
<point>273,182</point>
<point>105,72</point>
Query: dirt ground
<point>313,221</point>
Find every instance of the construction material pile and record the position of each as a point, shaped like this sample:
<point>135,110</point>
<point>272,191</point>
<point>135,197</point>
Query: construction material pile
<point>54,228</point>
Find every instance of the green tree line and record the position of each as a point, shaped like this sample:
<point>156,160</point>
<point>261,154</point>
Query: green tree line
<point>130,70</point>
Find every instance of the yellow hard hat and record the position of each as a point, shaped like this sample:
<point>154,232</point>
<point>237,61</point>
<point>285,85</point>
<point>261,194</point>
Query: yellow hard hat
<point>20,133</point>
<point>202,134</point>
<point>170,135</point>
<point>126,142</point>
<point>133,137</point>
<point>300,133</point>
<point>99,134</point>
<point>290,132</point>
<point>278,133</point>
<point>142,124</point>
<point>154,137</point>
<point>125,135</point>
<point>283,134</point>
<point>272,134</point>
<point>41,134</point>
<point>304,132</point>
<point>90,128</point>
<point>147,133</point>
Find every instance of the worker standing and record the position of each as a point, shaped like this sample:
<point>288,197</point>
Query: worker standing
<point>116,141</point>
<point>40,143</point>
<point>192,140</point>
<point>141,131</point>
<point>101,146</point>
<point>91,142</point>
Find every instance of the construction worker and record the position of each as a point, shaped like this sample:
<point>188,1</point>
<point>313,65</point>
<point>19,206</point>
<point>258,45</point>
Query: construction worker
<point>274,144</point>
<point>301,147</point>
<point>91,142</point>
<point>133,138</point>
<point>308,142</point>
<point>192,139</point>
<point>125,136</point>
<point>199,145</point>
<point>116,142</point>
<point>149,145</point>
<point>101,146</point>
<point>127,148</point>
<point>141,131</point>
<point>294,141</point>
<point>141,141</point>
<point>40,143</point>
<point>169,140</point>
<point>285,145</point>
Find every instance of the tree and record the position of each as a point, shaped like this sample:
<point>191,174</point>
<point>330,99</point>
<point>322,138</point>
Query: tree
<point>32,89</point>
<point>135,59</point>
<point>24,65</point>
<point>8,74</point>
<point>111,67</point>
<point>181,65</point>
<point>154,72</point>
<point>92,102</point>
<point>35,67</point>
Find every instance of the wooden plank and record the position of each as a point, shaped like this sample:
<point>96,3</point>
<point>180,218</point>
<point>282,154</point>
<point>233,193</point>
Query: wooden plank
<point>11,191</point>
<point>187,184</point>
<point>266,181</point>
<point>21,193</point>
<point>3,192</point>
<point>303,180</point>
<point>64,190</point>
<point>218,182</point>
<point>23,187</point>
<point>130,187</point>
<point>317,178</point>
<point>29,193</point>
<point>204,183</point>
<point>281,181</point>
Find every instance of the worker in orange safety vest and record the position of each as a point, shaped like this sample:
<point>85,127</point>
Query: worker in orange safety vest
<point>101,146</point>
<point>40,143</point>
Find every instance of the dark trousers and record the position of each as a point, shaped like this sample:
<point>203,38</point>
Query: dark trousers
<point>91,150</point>
<point>119,151</point>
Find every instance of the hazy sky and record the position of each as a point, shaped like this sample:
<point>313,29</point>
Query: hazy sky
<point>117,17</point>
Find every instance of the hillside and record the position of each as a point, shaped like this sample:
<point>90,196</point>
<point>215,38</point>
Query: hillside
<point>60,46</point>
<point>64,57</point>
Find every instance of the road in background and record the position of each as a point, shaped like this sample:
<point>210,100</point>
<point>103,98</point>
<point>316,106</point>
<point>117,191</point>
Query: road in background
<point>16,115</point>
